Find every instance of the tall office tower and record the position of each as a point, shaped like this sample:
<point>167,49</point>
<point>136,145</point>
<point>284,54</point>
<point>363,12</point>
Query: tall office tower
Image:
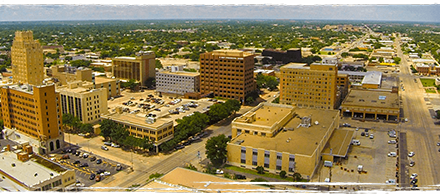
<point>227,74</point>
<point>139,68</point>
<point>33,114</point>
<point>311,86</point>
<point>27,59</point>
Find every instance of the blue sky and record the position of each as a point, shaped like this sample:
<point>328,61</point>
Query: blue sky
<point>276,10</point>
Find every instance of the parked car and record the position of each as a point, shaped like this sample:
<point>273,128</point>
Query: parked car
<point>239,176</point>
<point>363,134</point>
<point>118,167</point>
<point>115,145</point>
<point>411,163</point>
<point>98,178</point>
<point>104,148</point>
<point>77,153</point>
<point>65,156</point>
<point>438,143</point>
<point>371,136</point>
<point>413,176</point>
<point>76,162</point>
<point>355,142</point>
<point>218,171</point>
<point>93,158</point>
<point>411,154</point>
<point>392,154</point>
<point>107,173</point>
<point>392,141</point>
<point>84,165</point>
<point>92,176</point>
<point>99,161</point>
<point>100,171</point>
<point>346,125</point>
<point>108,143</point>
<point>85,155</point>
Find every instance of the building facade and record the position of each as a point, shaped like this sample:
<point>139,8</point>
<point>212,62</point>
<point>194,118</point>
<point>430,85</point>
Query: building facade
<point>66,74</point>
<point>227,74</point>
<point>290,56</point>
<point>139,68</point>
<point>113,86</point>
<point>33,111</point>
<point>311,86</point>
<point>27,59</point>
<point>85,104</point>
<point>177,82</point>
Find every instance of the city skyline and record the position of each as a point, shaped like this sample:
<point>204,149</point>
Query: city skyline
<point>46,12</point>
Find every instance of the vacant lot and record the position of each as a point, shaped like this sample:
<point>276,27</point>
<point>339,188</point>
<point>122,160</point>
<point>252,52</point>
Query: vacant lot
<point>427,82</point>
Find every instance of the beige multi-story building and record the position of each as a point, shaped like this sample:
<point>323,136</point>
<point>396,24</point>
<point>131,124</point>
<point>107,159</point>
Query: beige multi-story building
<point>311,86</point>
<point>66,74</point>
<point>86,104</point>
<point>227,74</point>
<point>157,130</point>
<point>34,112</point>
<point>27,59</point>
<point>282,137</point>
<point>23,171</point>
<point>179,82</point>
<point>139,68</point>
<point>112,86</point>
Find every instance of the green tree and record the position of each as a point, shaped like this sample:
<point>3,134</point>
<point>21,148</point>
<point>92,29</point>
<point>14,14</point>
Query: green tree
<point>131,84</point>
<point>297,176</point>
<point>218,112</point>
<point>216,149</point>
<point>437,114</point>
<point>397,60</point>
<point>249,100</point>
<point>80,63</point>
<point>381,60</point>
<point>283,174</point>
<point>158,64</point>
<point>344,54</point>
<point>260,169</point>
<point>107,127</point>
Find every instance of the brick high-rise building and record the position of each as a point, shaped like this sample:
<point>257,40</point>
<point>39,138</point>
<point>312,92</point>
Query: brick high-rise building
<point>34,113</point>
<point>227,74</point>
<point>311,86</point>
<point>27,59</point>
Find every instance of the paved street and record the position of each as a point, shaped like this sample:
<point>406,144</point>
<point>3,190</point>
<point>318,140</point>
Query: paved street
<point>421,131</point>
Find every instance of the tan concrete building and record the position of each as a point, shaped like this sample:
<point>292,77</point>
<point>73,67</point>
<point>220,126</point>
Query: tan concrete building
<point>66,74</point>
<point>282,137</point>
<point>113,86</point>
<point>25,172</point>
<point>27,59</point>
<point>139,68</point>
<point>86,104</point>
<point>179,82</point>
<point>311,86</point>
<point>371,105</point>
<point>157,131</point>
<point>227,74</point>
<point>34,112</point>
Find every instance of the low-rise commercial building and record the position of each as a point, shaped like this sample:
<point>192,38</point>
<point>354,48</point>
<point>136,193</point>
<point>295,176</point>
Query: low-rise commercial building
<point>65,74</point>
<point>371,105</point>
<point>29,172</point>
<point>282,137</point>
<point>86,104</point>
<point>112,86</point>
<point>264,72</point>
<point>177,82</point>
<point>157,130</point>
<point>292,55</point>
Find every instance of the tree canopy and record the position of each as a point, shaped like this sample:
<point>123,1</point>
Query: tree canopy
<point>216,149</point>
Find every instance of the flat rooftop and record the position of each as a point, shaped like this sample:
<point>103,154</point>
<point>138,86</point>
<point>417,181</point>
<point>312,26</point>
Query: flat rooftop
<point>136,119</point>
<point>100,80</point>
<point>31,172</point>
<point>372,77</point>
<point>302,140</point>
<point>339,143</point>
<point>231,53</point>
<point>265,115</point>
<point>377,99</point>
<point>295,66</point>
<point>192,179</point>
<point>183,73</point>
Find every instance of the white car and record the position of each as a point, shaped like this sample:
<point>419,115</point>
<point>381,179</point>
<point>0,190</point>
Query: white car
<point>392,154</point>
<point>107,173</point>
<point>411,154</point>
<point>218,171</point>
<point>371,136</point>
<point>392,141</point>
<point>115,145</point>
<point>413,176</point>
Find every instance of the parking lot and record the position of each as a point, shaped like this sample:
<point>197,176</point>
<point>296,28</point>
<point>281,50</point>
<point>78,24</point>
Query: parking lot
<point>372,154</point>
<point>86,166</point>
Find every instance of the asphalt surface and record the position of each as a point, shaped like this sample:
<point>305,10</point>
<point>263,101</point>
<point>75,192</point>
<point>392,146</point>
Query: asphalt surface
<point>403,161</point>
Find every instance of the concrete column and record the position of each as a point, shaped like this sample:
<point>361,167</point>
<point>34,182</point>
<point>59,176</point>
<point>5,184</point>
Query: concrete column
<point>375,116</point>
<point>387,117</point>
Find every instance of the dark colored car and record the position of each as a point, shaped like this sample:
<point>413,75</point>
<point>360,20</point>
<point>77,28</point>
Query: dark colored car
<point>92,176</point>
<point>100,171</point>
<point>239,176</point>
<point>179,147</point>
<point>362,134</point>
<point>84,165</point>
<point>99,161</point>
<point>118,167</point>
<point>77,153</point>
<point>65,156</point>
<point>76,162</point>
<point>93,158</point>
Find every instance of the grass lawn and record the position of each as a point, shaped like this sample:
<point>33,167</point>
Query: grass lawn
<point>325,52</point>
<point>427,82</point>
<point>430,91</point>
<point>269,175</point>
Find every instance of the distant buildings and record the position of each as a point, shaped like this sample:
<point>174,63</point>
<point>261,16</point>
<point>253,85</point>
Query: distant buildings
<point>65,74</point>
<point>227,74</point>
<point>283,137</point>
<point>366,80</point>
<point>27,59</point>
<point>24,171</point>
<point>311,86</point>
<point>139,68</point>
<point>177,82</point>
<point>32,113</point>
<point>284,57</point>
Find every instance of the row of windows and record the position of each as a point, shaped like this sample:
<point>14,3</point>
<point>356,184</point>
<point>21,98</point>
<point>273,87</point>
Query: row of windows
<point>204,61</point>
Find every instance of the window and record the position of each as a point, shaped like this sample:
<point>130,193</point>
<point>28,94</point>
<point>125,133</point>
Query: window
<point>266,155</point>
<point>243,161</point>
<point>254,152</point>
<point>243,151</point>
<point>279,157</point>
<point>254,163</point>
<point>266,165</point>
<point>278,167</point>
<point>291,169</point>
